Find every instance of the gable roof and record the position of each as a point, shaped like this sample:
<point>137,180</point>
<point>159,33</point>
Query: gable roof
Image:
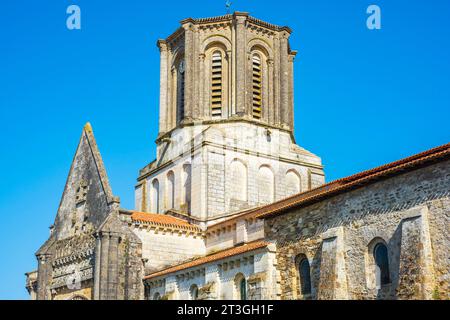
<point>211,258</point>
<point>354,181</point>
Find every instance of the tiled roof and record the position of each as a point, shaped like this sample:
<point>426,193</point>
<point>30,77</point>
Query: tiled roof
<point>354,181</point>
<point>163,220</point>
<point>211,258</point>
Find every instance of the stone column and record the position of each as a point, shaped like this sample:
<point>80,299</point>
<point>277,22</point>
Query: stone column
<point>270,85</point>
<point>163,82</point>
<point>284,68</point>
<point>44,272</point>
<point>333,277</point>
<point>98,250</point>
<point>113,272</point>
<point>189,69</point>
<point>103,277</point>
<point>276,82</point>
<point>241,62</point>
<point>203,91</point>
<point>291,89</point>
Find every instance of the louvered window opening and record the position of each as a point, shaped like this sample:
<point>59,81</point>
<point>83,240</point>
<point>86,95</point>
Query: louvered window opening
<point>257,86</point>
<point>216,85</point>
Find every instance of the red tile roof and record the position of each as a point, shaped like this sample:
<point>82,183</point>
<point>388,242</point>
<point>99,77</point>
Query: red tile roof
<point>163,220</point>
<point>211,258</point>
<point>354,181</point>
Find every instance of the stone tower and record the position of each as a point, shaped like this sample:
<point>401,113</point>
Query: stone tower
<point>225,139</point>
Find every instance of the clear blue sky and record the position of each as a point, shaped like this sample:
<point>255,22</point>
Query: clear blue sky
<point>363,98</point>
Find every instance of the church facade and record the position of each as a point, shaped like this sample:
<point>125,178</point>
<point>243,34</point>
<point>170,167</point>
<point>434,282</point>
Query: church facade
<point>232,207</point>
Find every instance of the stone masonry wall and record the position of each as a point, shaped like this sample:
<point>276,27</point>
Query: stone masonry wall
<point>409,213</point>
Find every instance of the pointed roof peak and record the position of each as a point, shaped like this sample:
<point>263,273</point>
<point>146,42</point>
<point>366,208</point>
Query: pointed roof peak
<point>87,127</point>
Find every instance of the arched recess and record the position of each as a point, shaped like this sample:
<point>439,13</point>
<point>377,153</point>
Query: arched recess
<point>237,180</point>
<point>260,84</point>
<point>176,85</point>
<point>186,188</point>
<point>170,190</point>
<point>193,292</point>
<point>378,271</point>
<point>154,196</point>
<point>215,70</point>
<point>303,269</point>
<point>266,185</point>
<point>293,182</point>
<point>240,287</point>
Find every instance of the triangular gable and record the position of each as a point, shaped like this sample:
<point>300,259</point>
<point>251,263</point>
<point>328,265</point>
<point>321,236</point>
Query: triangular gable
<point>87,199</point>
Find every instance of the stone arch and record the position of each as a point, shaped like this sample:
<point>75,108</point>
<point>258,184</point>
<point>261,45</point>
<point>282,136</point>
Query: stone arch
<point>376,275</point>
<point>260,79</point>
<point>260,45</point>
<point>213,48</point>
<point>186,182</point>
<point>170,190</point>
<point>176,84</point>
<point>293,182</point>
<point>154,196</point>
<point>193,292</point>
<point>266,184</point>
<point>238,176</point>
<point>214,40</point>
<point>303,275</point>
<point>240,287</point>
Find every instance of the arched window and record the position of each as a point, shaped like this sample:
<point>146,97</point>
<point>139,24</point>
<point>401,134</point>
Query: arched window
<point>155,196</point>
<point>238,180</point>
<point>180,90</point>
<point>186,187</point>
<point>257,86</point>
<point>292,183</point>
<point>380,255</point>
<point>156,296</point>
<point>216,84</point>
<point>171,190</point>
<point>194,292</point>
<point>266,185</point>
<point>240,287</point>
<point>304,273</point>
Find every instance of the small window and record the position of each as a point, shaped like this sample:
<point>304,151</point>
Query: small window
<point>216,84</point>
<point>380,254</point>
<point>194,292</point>
<point>305,276</point>
<point>243,289</point>
<point>180,90</point>
<point>256,86</point>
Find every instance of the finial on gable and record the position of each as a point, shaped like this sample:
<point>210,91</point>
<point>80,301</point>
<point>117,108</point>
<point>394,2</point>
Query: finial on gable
<point>88,127</point>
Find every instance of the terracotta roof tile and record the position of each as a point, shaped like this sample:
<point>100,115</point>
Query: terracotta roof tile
<point>163,220</point>
<point>353,181</point>
<point>211,258</point>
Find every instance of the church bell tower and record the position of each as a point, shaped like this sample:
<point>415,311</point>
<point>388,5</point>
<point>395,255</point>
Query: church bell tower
<point>225,140</point>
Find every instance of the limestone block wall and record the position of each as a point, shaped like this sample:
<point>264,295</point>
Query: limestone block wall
<point>162,249</point>
<point>231,167</point>
<point>409,213</point>
<point>219,279</point>
<point>226,235</point>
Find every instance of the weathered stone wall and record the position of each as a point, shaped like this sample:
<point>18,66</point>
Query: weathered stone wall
<point>218,280</point>
<point>164,248</point>
<point>409,212</point>
<point>214,152</point>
